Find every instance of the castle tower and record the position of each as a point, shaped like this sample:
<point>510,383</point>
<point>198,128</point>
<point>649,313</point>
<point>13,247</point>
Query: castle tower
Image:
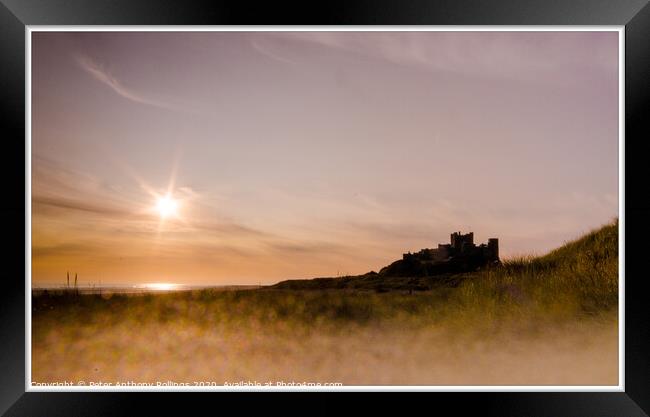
<point>493,247</point>
<point>455,240</point>
<point>460,242</point>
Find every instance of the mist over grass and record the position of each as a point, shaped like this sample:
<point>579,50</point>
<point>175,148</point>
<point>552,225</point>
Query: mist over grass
<point>536,320</point>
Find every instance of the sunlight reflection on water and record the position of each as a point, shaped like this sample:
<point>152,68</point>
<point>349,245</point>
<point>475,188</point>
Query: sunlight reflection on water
<point>161,286</point>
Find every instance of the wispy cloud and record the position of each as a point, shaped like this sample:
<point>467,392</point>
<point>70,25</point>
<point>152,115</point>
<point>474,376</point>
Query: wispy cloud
<point>70,204</point>
<point>264,48</point>
<point>103,75</point>
<point>528,56</point>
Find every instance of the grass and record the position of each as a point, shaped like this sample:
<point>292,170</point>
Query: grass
<point>379,331</point>
<point>577,279</point>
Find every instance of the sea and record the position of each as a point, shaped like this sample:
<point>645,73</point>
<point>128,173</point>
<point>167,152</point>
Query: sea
<point>137,289</point>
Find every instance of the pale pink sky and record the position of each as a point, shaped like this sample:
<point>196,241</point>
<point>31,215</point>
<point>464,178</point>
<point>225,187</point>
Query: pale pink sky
<point>302,154</point>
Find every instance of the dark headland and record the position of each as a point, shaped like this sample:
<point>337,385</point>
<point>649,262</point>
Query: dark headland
<point>587,263</point>
<point>445,265</point>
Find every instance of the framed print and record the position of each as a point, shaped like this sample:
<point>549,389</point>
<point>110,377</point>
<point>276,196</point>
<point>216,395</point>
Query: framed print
<point>428,198</point>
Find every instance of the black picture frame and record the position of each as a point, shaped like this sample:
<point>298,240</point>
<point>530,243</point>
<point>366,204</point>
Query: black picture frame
<point>15,15</point>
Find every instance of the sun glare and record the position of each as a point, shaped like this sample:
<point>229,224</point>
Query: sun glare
<point>166,206</point>
<point>161,286</point>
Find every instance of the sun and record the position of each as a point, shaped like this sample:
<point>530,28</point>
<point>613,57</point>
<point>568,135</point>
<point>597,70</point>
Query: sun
<point>167,206</point>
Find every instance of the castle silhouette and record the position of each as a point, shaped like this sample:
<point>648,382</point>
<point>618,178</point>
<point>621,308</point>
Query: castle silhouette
<point>460,255</point>
<point>460,246</point>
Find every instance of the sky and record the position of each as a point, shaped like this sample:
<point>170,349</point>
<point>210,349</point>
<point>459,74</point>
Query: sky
<point>219,158</point>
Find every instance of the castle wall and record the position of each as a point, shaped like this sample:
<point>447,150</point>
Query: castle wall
<point>442,253</point>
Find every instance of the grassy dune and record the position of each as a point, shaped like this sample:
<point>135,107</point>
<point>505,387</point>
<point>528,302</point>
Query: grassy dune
<point>533,321</point>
